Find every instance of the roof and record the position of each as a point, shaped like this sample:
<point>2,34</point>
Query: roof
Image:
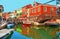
<point>49,5</point>
<point>36,3</point>
<point>28,6</point>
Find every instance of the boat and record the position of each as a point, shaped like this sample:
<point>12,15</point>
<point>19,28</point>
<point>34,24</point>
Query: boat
<point>3,25</point>
<point>4,33</point>
<point>51,24</point>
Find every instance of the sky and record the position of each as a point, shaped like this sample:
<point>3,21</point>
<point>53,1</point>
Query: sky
<point>11,5</point>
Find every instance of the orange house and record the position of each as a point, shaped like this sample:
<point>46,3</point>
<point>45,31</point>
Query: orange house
<point>6,15</point>
<point>41,10</point>
<point>38,10</point>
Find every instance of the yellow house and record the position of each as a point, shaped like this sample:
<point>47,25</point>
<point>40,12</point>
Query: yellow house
<point>1,14</point>
<point>19,11</point>
<point>1,9</point>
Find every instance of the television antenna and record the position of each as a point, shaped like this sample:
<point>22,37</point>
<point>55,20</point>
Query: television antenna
<point>49,1</point>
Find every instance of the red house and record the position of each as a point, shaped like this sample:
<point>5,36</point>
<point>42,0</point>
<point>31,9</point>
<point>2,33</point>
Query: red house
<point>6,15</point>
<point>39,10</point>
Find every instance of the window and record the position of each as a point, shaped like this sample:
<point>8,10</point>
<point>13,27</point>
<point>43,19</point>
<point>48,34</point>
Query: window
<point>34,10</point>
<point>30,11</point>
<point>24,13</point>
<point>17,14</point>
<point>52,10</point>
<point>45,9</point>
<point>38,9</point>
<point>0,10</point>
<point>58,10</point>
<point>47,16</point>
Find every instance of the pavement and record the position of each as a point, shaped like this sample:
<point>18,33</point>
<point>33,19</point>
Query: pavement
<point>4,32</point>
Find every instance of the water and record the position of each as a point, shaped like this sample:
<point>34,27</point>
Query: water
<point>17,35</point>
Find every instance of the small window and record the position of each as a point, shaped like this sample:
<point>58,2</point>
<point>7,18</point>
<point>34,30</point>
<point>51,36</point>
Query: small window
<point>0,10</point>
<point>38,9</point>
<point>34,10</point>
<point>17,14</point>
<point>45,9</point>
<point>30,11</point>
<point>59,8</point>
<point>52,10</point>
<point>25,13</point>
<point>20,13</point>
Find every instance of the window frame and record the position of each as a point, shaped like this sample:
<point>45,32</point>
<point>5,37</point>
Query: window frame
<point>39,9</point>
<point>34,10</point>
<point>45,9</point>
<point>52,9</point>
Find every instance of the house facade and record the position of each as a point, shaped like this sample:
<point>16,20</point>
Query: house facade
<point>39,11</point>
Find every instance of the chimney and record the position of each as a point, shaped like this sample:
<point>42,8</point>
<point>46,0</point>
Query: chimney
<point>34,3</point>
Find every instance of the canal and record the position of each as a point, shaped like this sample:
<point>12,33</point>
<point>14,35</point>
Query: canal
<point>42,33</point>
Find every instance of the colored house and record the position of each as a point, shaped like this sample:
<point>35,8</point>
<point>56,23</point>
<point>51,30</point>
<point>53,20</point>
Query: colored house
<point>18,13</point>
<point>1,10</point>
<point>39,10</point>
<point>7,15</point>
